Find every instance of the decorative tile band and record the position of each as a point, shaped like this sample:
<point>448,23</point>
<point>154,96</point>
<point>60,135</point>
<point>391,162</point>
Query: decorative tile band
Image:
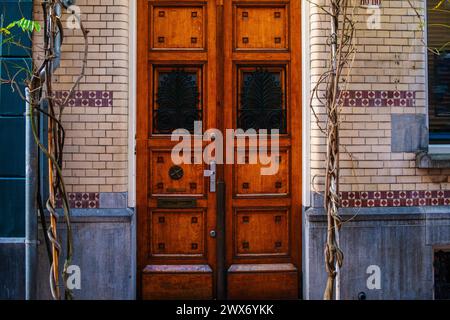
<point>368,199</point>
<point>95,200</point>
<point>86,98</point>
<point>81,200</point>
<point>359,199</point>
<point>373,98</point>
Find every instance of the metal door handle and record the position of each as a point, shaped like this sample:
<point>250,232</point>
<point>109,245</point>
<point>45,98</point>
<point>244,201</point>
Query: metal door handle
<point>211,173</point>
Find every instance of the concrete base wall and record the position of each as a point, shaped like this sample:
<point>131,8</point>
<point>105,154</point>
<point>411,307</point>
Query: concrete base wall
<point>400,241</point>
<point>12,269</point>
<point>104,249</point>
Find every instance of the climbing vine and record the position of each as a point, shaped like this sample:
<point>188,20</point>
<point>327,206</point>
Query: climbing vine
<point>40,97</point>
<point>327,91</point>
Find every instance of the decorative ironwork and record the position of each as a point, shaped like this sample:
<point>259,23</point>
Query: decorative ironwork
<point>178,100</point>
<point>176,173</point>
<point>442,275</point>
<point>262,102</point>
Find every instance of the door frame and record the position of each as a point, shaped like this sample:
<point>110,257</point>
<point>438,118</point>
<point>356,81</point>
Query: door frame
<point>134,59</point>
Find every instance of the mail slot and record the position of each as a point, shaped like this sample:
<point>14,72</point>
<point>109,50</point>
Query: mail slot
<point>176,203</point>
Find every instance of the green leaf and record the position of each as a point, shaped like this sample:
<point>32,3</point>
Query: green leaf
<point>5,31</point>
<point>37,26</point>
<point>24,24</point>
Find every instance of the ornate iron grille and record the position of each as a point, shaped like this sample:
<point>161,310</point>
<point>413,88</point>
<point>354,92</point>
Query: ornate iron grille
<point>442,275</point>
<point>261,105</point>
<point>178,102</point>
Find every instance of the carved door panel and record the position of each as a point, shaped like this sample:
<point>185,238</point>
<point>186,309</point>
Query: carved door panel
<point>176,210</point>
<point>225,64</point>
<point>263,78</point>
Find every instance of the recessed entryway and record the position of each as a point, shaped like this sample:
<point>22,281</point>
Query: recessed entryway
<point>227,65</point>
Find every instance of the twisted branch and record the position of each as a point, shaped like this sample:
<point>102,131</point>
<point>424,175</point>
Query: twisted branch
<point>342,52</point>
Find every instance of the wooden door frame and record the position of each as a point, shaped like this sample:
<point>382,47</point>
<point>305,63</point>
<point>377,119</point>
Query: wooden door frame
<point>141,45</point>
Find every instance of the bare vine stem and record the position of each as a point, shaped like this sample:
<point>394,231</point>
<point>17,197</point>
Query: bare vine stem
<point>41,93</point>
<point>342,52</point>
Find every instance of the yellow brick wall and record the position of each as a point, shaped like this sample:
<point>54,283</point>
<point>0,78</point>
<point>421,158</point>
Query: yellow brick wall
<point>97,137</point>
<point>389,58</point>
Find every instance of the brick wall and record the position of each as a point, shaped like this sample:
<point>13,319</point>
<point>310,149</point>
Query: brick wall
<point>96,120</point>
<point>385,99</point>
<point>386,90</point>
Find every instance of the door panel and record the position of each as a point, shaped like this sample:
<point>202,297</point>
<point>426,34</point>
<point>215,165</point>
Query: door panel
<point>248,181</point>
<point>261,232</point>
<point>170,230</point>
<point>228,64</point>
<point>262,70</point>
<point>186,179</point>
<point>260,27</point>
<point>177,86</point>
<point>263,281</point>
<point>178,27</point>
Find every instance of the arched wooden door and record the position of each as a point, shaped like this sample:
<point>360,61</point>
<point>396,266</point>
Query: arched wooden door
<point>226,65</point>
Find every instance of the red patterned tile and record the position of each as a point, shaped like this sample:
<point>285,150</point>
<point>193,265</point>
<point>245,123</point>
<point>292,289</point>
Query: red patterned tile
<point>395,198</point>
<point>373,98</point>
<point>80,200</point>
<point>86,98</point>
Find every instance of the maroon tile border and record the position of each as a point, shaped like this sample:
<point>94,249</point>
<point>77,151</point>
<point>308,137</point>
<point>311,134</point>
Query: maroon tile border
<point>367,199</point>
<point>86,98</point>
<point>81,200</point>
<point>378,98</point>
<point>361,199</point>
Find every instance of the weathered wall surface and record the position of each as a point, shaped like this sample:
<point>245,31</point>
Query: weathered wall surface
<point>400,241</point>
<point>104,249</point>
<point>398,212</point>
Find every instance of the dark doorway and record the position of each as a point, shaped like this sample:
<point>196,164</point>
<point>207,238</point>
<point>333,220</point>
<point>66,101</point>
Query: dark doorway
<point>442,275</point>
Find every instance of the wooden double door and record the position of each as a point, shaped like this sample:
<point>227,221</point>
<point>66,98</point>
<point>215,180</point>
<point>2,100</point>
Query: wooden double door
<point>219,229</point>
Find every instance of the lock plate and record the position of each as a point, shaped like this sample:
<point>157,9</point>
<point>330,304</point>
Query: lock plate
<point>211,174</point>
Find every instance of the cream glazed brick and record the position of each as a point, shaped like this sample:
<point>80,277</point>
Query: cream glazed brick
<point>96,136</point>
<point>388,59</point>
